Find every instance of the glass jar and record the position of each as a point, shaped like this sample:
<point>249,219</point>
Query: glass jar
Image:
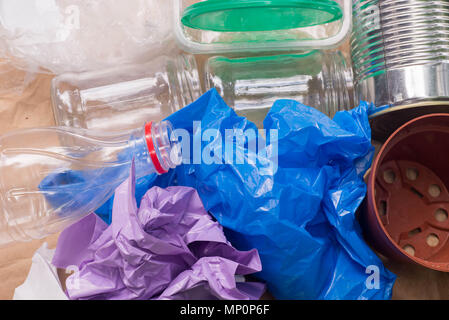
<point>251,85</point>
<point>125,97</point>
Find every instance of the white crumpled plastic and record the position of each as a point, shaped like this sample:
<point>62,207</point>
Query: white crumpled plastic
<point>42,282</point>
<point>78,35</point>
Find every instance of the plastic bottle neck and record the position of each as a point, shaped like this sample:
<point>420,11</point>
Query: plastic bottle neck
<point>163,148</point>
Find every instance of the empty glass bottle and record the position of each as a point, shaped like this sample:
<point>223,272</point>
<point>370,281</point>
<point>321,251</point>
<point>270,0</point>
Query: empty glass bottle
<point>52,177</point>
<point>251,85</point>
<point>125,97</point>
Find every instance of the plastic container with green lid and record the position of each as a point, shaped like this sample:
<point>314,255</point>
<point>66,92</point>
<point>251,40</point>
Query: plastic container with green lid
<point>226,26</point>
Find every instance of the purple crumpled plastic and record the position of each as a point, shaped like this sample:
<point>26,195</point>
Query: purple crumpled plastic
<point>169,248</point>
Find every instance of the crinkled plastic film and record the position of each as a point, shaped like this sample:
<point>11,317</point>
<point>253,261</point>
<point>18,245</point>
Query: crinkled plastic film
<point>302,219</point>
<point>59,36</point>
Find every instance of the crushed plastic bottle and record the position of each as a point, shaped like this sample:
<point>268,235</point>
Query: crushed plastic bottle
<point>52,177</point>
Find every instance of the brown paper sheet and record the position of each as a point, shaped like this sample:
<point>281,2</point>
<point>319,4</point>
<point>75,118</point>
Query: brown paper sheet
<point>25,102</point>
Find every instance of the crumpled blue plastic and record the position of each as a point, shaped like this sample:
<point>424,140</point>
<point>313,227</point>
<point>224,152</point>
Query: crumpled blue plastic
<point>373,109</point>
<point>301,219</point>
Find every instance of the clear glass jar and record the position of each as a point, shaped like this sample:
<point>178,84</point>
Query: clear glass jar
<point>251,85</point>
<point>125,97</point>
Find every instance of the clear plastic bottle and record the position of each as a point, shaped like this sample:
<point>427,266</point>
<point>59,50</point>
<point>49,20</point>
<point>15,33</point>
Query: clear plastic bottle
<point>125,97</point>
<point>52,177</point>
<point>251,85</point>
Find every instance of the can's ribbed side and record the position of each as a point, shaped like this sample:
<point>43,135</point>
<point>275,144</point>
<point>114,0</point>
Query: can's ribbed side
<point>394,34</point>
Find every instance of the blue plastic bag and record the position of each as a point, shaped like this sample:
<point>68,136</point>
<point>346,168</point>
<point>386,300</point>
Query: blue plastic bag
<point>302,218</point>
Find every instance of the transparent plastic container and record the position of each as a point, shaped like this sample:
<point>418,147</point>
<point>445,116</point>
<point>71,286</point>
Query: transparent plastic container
<point>52,177</point>
<point>251,85</point>
<point>125,97</point>
<point>321,36</point>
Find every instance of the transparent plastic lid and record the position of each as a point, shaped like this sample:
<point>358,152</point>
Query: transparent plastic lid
<point>259,15</point>
<point>251,26</point>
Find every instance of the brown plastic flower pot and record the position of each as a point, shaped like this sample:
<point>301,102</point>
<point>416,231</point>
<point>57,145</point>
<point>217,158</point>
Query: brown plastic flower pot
<point>407,206</point>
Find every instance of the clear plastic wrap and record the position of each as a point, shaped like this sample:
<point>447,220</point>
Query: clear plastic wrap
<point>77,35</point>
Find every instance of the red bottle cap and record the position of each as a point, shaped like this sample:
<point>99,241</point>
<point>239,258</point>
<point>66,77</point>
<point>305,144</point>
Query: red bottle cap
<point>152,150</point>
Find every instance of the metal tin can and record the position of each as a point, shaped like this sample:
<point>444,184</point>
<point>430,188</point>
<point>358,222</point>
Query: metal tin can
<point>400,54</point>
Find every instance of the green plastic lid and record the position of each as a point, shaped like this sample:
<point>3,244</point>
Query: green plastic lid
<point>260,15</point>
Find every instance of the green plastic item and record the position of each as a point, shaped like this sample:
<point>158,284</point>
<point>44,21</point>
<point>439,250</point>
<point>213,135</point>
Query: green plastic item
<point>259,15</point>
